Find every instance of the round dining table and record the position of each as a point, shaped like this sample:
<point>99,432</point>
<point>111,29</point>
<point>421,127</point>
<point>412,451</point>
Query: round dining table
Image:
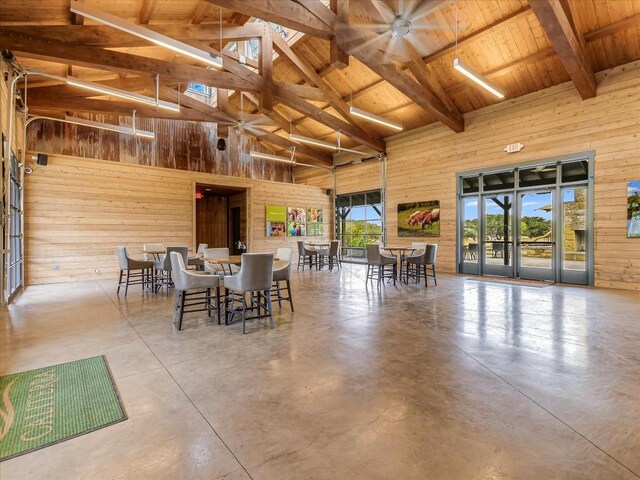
<point>401,253</point>
<point>237,260</point>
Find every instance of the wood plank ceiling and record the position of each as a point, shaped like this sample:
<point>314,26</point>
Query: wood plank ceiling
<point>520,46</point>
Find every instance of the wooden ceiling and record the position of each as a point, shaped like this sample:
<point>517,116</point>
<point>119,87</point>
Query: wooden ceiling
<point>520,46</point>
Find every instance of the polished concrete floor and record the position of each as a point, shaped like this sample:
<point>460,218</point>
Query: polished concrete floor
<point>469,380</point>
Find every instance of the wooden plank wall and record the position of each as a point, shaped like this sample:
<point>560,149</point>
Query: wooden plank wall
<point>78,210</point>
<point>422,164</point>
<point>178,144</point>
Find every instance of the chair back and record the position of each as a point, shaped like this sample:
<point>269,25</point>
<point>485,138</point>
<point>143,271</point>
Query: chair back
<point>256,271</point>
<point>430,254</point>
<point>373,254</point>
<point>178,269</point>
<point>334,247</point>
<point>473,247</point>
<point>216,252</point>
<point>284,254</point>
<point>201,248</point>
<point>301,248</point>
<point>152,246</point>
<point>182,251</point>
<point>122,257</point>
<point>420,246</point>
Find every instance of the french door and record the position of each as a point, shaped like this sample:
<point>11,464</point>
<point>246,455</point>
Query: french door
<point>533,221</point>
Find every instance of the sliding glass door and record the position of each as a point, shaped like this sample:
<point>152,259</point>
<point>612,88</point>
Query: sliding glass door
<point>536,252</point>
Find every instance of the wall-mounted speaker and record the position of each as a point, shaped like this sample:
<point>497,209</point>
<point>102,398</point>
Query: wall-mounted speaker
<point>42,159</point>
<point>222,144</point>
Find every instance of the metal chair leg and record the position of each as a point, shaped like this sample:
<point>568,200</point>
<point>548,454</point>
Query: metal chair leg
<point>182,298</point>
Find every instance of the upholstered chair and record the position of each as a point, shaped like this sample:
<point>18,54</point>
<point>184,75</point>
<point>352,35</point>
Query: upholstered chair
<point>133,272</point>
<point>377,264</point>
<point>331,255</point>
<point>162,267</point>
<point>305,254</point>
<point>197,260</point>
<point>423,265</point>
<point>194,292</point>
<point>219,269</point>
<point>254,280</point>
<point>152,247</point>
<point>282,273</point>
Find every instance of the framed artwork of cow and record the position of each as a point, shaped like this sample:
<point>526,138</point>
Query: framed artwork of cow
<point>419,219</point>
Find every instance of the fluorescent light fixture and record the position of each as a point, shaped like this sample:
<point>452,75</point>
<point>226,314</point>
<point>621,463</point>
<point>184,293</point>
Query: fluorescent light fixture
<point>373,118</point>
<point>268,156</point>
<point>470,73</point>
<point>145,33</point>
<point>105,90</point>
<point>98,125</point>
<point>320,143</point>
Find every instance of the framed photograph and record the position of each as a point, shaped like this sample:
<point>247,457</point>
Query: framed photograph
<point>633,209</point>
<point>315,227</point>
<point>296,215</point>
<point>276,229</point>
<point>296,229</point>
<point>419,219</point>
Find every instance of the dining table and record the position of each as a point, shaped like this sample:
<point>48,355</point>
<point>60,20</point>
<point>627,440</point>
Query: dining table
<point>400,252</point>
<point>237,260</point>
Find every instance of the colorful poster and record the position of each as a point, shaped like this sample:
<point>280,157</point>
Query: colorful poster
<point>276,213</point>
<point>315,227</point>
<point>419,219</point>
<point>276,220</point>
<point>633,209</point>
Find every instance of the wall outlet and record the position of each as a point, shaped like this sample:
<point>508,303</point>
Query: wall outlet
<point>56,267</point>
<point>97,270</point>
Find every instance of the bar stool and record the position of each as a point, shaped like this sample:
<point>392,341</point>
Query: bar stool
<point>216,269</point>
<point>305,254</point>
<point>255,278</point>
<point>138,272</point>
<point>197,261</point>
<point>424,265</point>
<point>193,290</point>
<point>162,275</point>
<point>377,264</point>
<point>282,274</point>
<point>332,254</point>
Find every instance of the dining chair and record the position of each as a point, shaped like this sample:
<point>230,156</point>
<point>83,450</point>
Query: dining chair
<point>282,274</point>
<point>136,272</point>
<point>162,268</point>
<point>377,264</point>
<point>404,266</point>
<point>424,265</point>
<point>215,268</point>
<point>331,254</point>
<point>150,247</point>
<point>254,279</point>
<point>305,254</point>
<point>197,260</point>
<point>193,291</point>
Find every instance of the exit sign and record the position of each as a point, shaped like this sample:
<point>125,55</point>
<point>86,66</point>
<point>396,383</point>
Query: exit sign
<point>514,147</point>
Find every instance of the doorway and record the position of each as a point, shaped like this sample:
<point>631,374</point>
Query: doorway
<point>219,215</point>
<point>531,221</point>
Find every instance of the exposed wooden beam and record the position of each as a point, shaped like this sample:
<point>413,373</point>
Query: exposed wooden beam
<point>105,36</point>
<point>223,105</point>
<point>265,69</point>
<point>283,12</point>
<point>91,57</point>
<point>304,91</point>
<point>322,13</point>
<point>338,58</point>
<point>148,6</point>
<point>274,139</point>
<point>405,85</point>
<point>557,26</point>
<point>217,114</point>
<point>76,19</point>
<point>327,119</point>
<point>632,21</point>
<point>309,74</point>
<point>72,104</point>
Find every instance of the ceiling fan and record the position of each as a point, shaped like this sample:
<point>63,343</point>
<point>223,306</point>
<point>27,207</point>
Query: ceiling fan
<point>394,28</point>
<point>250,124</point>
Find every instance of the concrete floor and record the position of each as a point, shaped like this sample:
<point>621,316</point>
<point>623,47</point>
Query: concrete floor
<point>469,380</point>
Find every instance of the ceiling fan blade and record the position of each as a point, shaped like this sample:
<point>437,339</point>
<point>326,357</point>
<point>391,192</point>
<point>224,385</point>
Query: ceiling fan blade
<point>259,120</point>
<point>256,132</point>
<point>367,27</point>
<point>382,9</point>
<point>422,8</point>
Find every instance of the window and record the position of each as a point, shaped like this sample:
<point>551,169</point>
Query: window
<point>199,88</point>
<point>358,222</point>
